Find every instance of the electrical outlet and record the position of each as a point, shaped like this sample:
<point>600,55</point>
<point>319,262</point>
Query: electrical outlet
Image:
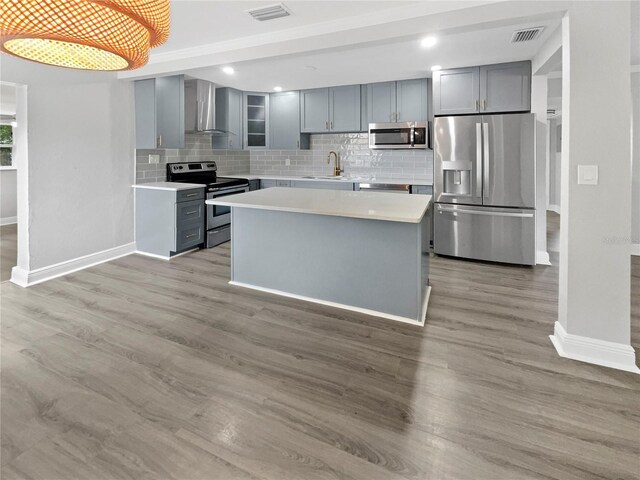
<point>287,161</point>
<point>154,158</point>
<point>587,174</point>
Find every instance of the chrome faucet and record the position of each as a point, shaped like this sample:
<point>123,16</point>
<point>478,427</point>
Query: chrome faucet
<point>337,171</point>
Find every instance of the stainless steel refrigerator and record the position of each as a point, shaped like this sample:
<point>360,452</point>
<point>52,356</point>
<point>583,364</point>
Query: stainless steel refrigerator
<point>484,187</point>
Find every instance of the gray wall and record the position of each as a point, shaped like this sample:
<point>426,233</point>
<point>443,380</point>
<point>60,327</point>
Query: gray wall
<point>635,149</point>
<point>80,162</point>
<point>357,159</point>
<point>8,199</point>
<point>197,149</point>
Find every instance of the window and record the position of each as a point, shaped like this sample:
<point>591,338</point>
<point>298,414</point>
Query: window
<point>6,145</point>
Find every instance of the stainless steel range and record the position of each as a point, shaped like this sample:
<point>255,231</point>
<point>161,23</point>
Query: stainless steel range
<point>218,219</point>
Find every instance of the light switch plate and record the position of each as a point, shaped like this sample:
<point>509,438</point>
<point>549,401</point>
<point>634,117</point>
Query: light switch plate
<point>154,158</point>
<point>587,174</point>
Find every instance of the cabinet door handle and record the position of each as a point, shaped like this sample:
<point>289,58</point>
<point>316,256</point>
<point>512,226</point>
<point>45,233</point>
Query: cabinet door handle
<point>298,144</point>
<point>192,235</point>
<point>191,195</point>
<point>326,125</point>
<point>477,105</point>
<point>484,104</point>
<point>331,125</point>
<point>160,140</point>
<point>191,212</point>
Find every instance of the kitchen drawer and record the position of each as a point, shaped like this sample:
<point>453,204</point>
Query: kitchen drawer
<point>188,213</point>
<point>189,237</point>
<point>191,194</point>
<point>218,235</point>
<point>283,183</point>
<point>422,189</point>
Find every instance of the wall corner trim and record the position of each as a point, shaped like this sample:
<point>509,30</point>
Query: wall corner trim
<point>635,249</point>
<point>27,278</point>
<point>590,350</point>
<point>542,258</point>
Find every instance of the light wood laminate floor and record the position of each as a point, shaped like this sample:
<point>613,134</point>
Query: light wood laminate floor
<point>144,369</point>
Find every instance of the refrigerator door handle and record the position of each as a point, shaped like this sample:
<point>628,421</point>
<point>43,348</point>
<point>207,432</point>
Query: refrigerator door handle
<point>442,209</point>
<point>478,160</point>
<point>487,158</point>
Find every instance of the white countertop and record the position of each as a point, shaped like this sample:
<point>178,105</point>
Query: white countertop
<point>341,203</point>
<point>173,186</point>
<point>394,181</point>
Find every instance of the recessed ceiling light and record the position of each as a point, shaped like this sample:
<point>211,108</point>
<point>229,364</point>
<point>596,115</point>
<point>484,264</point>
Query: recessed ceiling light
<point>429,42</point>
<point>228,70</point>
<point>277,89</point>
<point>435,68</point>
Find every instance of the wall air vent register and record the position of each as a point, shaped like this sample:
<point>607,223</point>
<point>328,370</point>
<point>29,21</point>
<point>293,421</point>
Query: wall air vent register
<point>269,13</point>
<point>526,35</point>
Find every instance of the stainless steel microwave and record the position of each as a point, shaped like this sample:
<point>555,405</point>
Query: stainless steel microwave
<point>399,135</point>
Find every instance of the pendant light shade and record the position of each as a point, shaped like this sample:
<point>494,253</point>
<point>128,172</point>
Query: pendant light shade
<point>84,34</point>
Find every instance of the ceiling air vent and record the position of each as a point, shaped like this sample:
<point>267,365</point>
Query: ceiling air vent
<point>526,35</point>
<point>269,13</point>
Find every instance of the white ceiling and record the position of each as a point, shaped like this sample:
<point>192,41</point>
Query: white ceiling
<point>195,23</point>
<point>347,41</point>
<point>376,62</point>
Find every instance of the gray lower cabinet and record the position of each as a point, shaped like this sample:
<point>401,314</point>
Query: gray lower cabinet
<point>335,109</point>
<point>284,122</point>
<point>328,185</point>
<point>504,87</point>
<point>228,119</point>
<point>401,101</point>
<point>268,183</point>
<point>169,222</point>
<point>425,190</point>
<point>422,189</point>
<point>159,106</point>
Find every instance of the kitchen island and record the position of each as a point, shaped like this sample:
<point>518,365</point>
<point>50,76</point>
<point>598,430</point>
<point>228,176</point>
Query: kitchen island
<point>362,251</point>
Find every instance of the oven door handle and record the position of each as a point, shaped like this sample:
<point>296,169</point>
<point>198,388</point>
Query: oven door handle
<point>229,191</point>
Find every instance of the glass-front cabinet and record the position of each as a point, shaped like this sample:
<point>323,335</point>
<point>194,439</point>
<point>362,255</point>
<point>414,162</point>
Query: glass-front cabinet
<point>256,112</point>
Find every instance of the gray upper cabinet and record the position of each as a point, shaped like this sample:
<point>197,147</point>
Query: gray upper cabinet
<point>229,119</point>
<point>284,122</point>
<point>314,113</point>
<point>456,91</point>
<point>401,101</point>
<point>503,87</point>
<point>381,102</point>
<point>256,127</point>
<point>411,100</point>
<point>335,109</point>
<point>160,112</point>
<point>344,108</point>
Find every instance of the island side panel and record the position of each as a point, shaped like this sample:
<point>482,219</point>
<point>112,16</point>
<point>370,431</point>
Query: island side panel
<point>371,264</point>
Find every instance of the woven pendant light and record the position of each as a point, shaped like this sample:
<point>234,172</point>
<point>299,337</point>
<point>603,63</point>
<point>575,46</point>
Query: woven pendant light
<point>84,34</point>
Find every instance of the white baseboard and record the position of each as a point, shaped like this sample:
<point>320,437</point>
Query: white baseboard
<point>542,258</point>
<point>8,220</point>
<point>163,257</point>
<point>366,311</point>
<point>635,249</point>
<point>27,278</point>
<point>554,208</point>
<point>599,352</point>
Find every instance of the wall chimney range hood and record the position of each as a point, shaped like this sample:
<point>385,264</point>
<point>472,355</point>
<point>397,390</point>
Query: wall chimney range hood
<point>200,107</point>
